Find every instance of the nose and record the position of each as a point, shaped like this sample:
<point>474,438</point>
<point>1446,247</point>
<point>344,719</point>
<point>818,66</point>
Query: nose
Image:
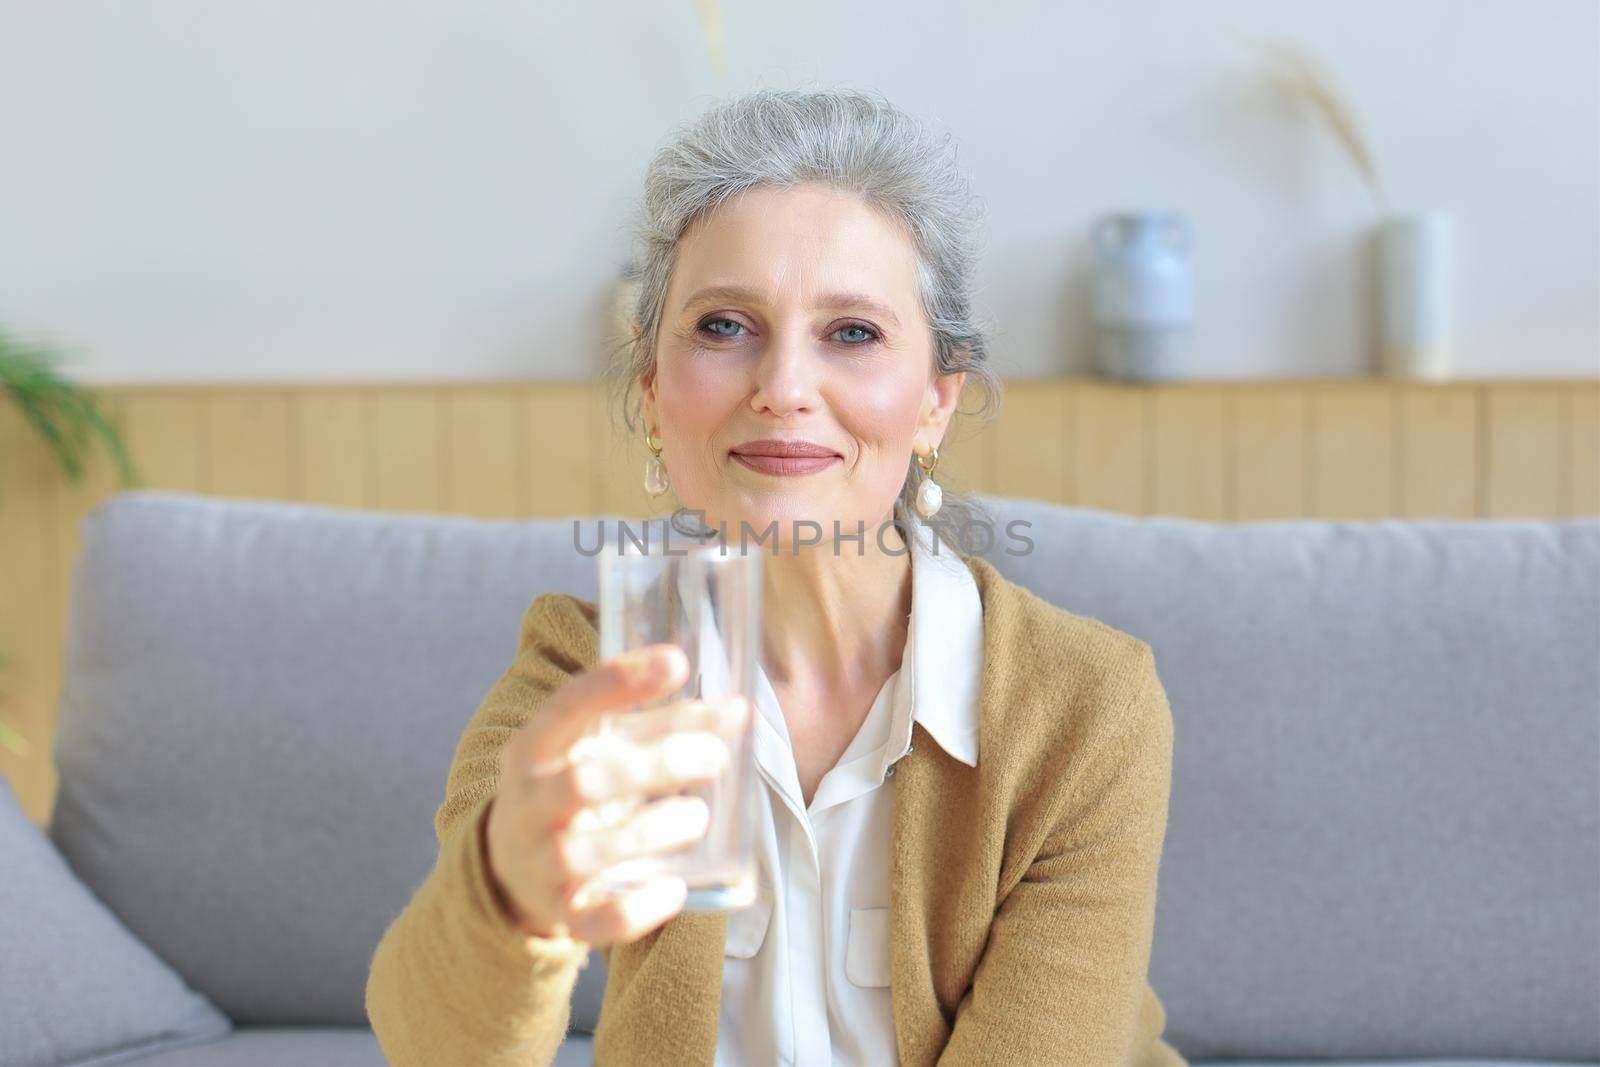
<point>787,377</point>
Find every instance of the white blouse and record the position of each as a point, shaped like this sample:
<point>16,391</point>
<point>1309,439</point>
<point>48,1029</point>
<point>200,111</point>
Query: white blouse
<point>806,975</point>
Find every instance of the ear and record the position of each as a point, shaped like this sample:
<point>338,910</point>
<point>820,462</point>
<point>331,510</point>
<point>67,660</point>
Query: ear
<point>938,408</point>
<point>647,396</point>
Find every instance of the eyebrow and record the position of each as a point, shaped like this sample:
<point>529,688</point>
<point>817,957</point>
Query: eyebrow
<point>854,300</point>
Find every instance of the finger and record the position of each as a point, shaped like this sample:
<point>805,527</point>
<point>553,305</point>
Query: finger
<point>634,677</point>
<point>656,828</point>
<point>614,768</point>
<point>602,814</point>
<point>630,914</point>
<point>726,716</point>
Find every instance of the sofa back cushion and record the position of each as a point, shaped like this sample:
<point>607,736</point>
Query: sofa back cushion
<point>260,707</point>
<point>76,988</point>
<point>1384,836</point>
<point>1384,829</point>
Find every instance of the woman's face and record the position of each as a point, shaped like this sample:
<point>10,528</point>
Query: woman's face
<point>792,316</point>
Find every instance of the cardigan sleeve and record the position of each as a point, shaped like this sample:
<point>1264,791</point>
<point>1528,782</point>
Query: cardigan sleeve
<point>1063,976</point>
<point>453,979</point>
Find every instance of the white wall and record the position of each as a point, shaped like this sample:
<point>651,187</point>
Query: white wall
<point>355,189</point>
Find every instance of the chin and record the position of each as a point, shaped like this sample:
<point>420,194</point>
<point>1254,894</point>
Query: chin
<point>784,514</point>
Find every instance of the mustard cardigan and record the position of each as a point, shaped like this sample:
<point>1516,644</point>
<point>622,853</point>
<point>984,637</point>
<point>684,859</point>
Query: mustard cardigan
<point>1022,890</point>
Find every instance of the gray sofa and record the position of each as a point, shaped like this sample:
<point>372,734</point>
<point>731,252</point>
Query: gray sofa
<point>1384,838</point>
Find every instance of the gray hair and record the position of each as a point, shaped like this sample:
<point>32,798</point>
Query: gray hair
<point>853,141</point>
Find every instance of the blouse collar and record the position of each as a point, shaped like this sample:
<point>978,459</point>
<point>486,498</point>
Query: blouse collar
<point>944,647</point>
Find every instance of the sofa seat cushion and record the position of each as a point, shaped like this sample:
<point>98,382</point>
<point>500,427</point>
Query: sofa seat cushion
<point>325,1046</point>
<point>1452,1062</point>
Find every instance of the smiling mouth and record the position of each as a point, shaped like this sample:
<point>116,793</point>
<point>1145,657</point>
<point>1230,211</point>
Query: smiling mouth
<point>785,458</point>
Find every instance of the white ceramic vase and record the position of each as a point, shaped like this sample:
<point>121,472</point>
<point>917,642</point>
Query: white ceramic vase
<point>1416,298</point>
<point>1143,295</point>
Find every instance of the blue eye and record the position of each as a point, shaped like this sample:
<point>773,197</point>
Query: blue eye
<point>872,335</point>
<point>716,333</point>
<point>708,326</point>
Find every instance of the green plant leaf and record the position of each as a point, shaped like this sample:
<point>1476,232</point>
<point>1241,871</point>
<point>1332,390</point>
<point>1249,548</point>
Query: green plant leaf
<point>66,415</point>
<point>14,741</point>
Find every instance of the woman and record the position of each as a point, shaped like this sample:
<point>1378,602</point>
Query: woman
<point>803,333</point>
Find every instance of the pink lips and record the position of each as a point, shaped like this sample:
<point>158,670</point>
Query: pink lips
<point>785,458</point>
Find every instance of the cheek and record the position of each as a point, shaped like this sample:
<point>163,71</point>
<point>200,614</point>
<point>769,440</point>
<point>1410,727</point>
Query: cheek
<point>881,413</point>
<point>695,396</point>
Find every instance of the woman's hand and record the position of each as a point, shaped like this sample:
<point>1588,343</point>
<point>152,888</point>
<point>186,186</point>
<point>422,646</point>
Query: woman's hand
<point>568,806</point>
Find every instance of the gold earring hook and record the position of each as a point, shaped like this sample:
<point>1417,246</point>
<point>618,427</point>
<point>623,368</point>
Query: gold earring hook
<point>927,468</point>
<point>652,444</point>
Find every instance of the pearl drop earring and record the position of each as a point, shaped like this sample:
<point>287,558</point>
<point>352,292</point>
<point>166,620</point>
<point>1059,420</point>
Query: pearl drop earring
<point>929,496</point>
<point>655,471</point>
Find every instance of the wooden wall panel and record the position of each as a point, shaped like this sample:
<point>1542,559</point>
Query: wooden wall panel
<point>618,459</point>
<point>165,436</point>
<point>1268,432</point>
<point>567,437</point>
<point>1033,447</point>
<point>72,503</point>
<point>335,452</point>
<point>1581,487</point>
<point>250,448</point>
<point>1352,454</point>
<point>408,450</point>
<point>484,454</point>
<point>30,637</point>
<point>1190,472</point>
<point>1110,447</point>
<point>1437,436</point>
<point>1228,451</point>
<point>1522,476</point>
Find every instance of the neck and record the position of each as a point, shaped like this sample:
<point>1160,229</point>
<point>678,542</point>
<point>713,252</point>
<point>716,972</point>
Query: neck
<point>837,618</point>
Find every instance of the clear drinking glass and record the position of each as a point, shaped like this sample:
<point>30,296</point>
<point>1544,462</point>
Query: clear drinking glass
<point>706,599</point>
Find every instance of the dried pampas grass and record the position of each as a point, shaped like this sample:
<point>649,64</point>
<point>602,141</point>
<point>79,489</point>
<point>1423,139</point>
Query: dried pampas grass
<point>1298,75</point>
<point>711,26</point>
